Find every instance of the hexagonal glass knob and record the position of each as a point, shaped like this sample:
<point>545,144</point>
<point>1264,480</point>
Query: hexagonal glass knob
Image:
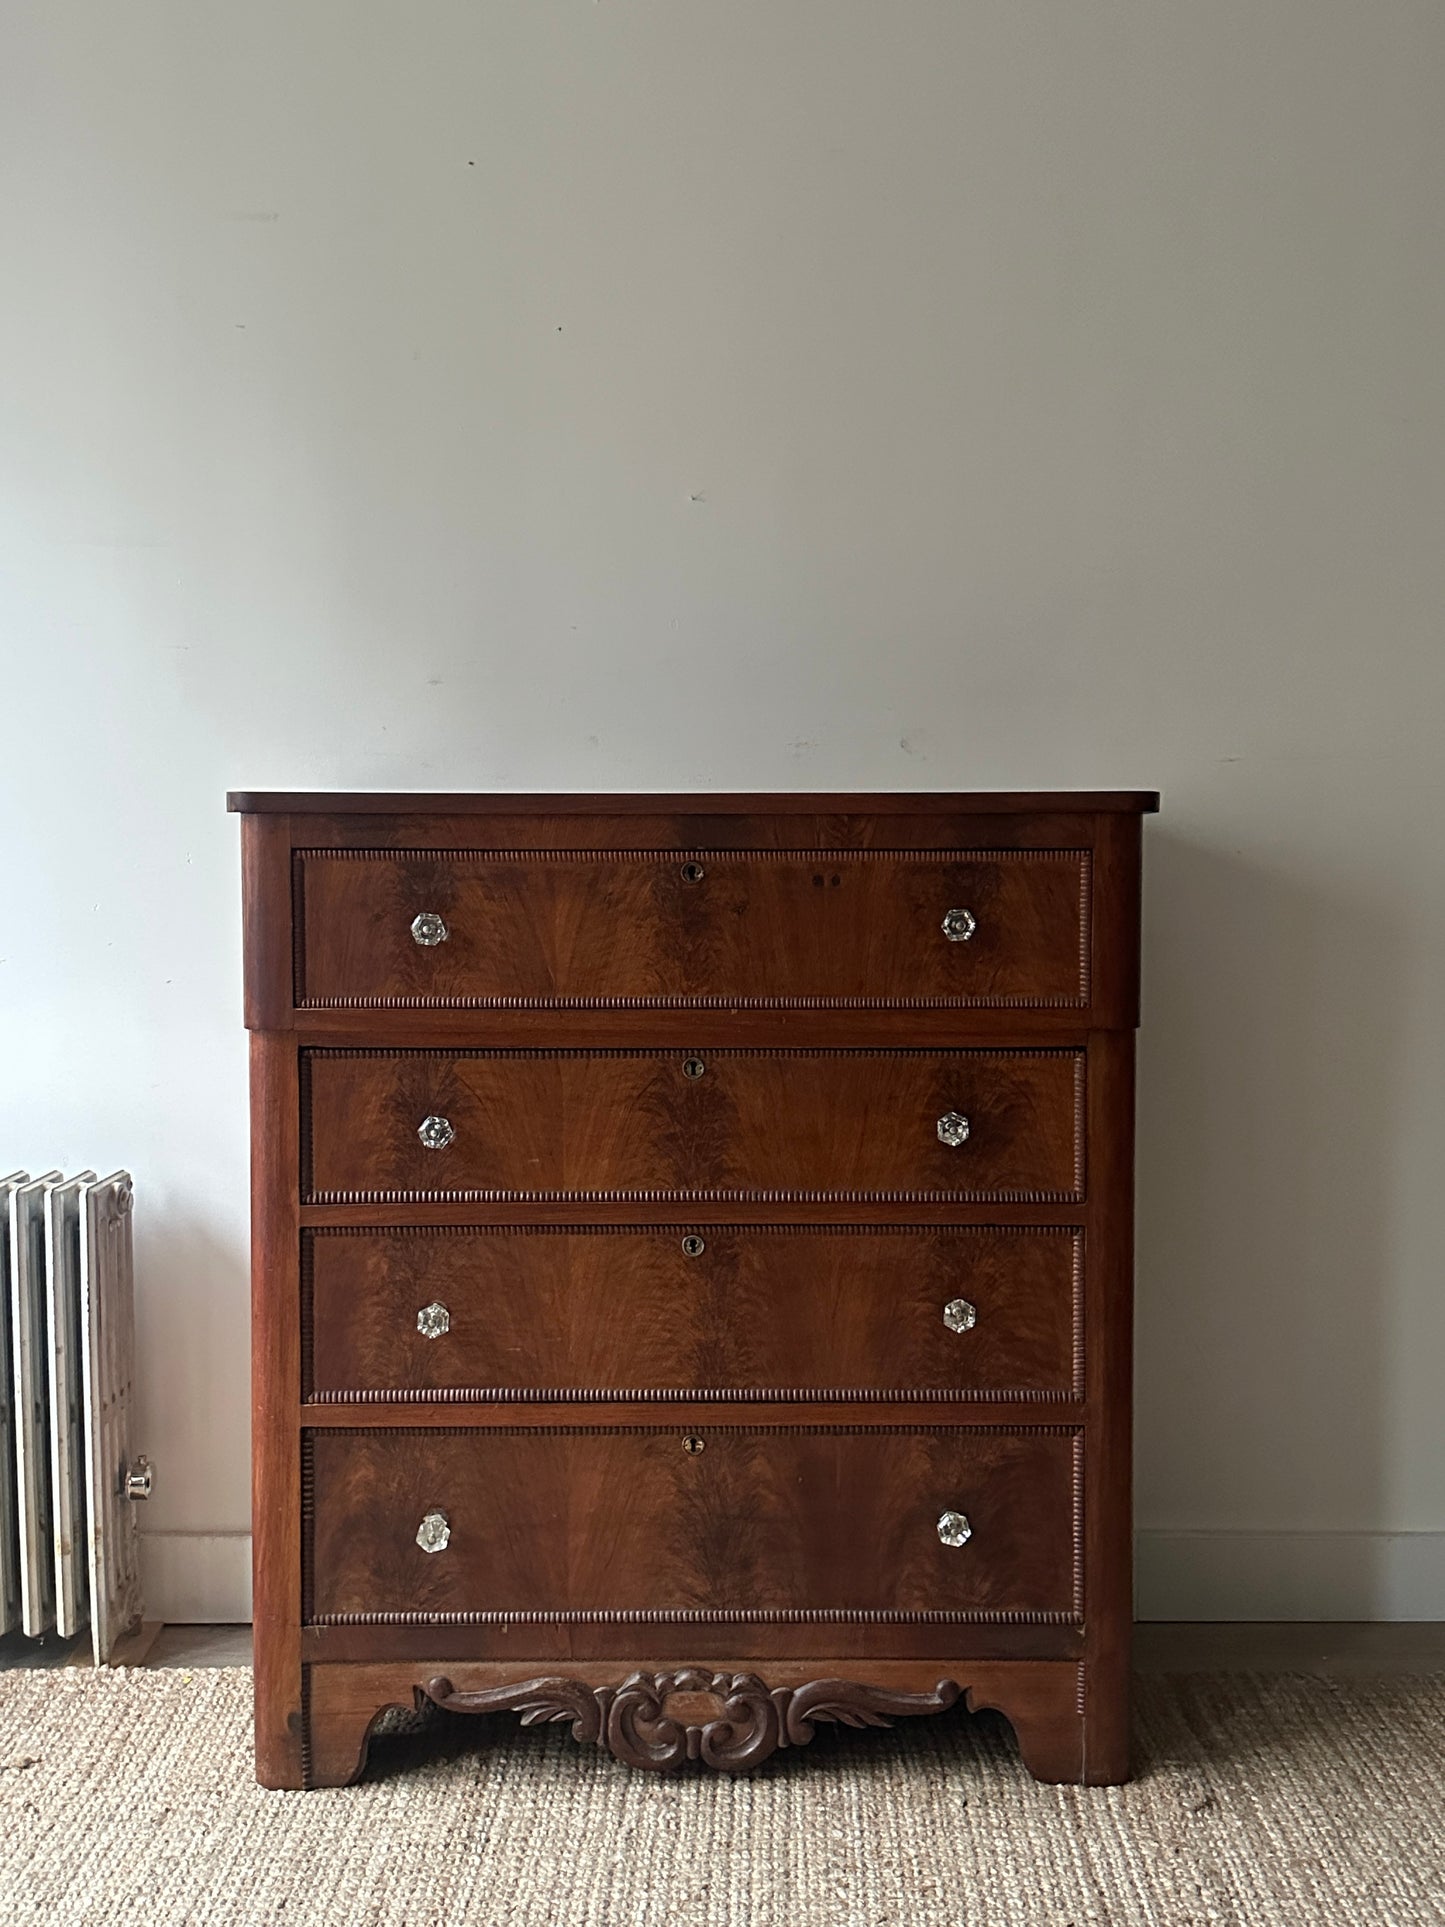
<point>434,1532</point>
<point>959,1315</point>
<point>436,1133</point>
<point>428,929</point>
<point>959,925</point>
<point>953,1129</point>
<point>433,1320</point>
<point>954,1529</point>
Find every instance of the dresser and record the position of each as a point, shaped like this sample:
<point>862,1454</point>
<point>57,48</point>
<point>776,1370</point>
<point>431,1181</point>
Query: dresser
<point>692,1267</point>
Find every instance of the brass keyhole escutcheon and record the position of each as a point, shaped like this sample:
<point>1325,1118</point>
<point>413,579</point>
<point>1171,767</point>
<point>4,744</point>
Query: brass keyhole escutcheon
<point>693,1444</point>
<point>693,1246</point>
<point>693,873</point>
<point>693,1067</point>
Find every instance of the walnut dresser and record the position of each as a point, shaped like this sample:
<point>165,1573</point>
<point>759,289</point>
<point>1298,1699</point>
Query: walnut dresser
<point>692,1267</point>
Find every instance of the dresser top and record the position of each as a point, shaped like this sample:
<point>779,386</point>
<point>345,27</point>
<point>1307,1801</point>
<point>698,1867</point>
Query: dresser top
<point>751,803</point>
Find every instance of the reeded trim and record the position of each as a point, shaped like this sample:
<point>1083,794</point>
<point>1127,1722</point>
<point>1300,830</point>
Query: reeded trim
<point>703,1616</point>
<point>694,1195</point>
<point>1061,1429</point>
<point>692,1003</point>
<point>681,1227</point>
<point>1078,1523</point>
<point>702,1395</point>
<point>357,854</point>
<point>450,1051</point>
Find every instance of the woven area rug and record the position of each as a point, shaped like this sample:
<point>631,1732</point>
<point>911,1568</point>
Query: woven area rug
<point>127,1798</point>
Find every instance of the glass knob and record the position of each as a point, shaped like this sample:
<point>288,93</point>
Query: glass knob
<point>959,1315</point>
<point>953,1129</point>
<point>434,1532</point>
<point>436,1133</point>
<point>428,929</point>
<point>433,1320</point>
<point>959,925</point>
<point>954,1529</point>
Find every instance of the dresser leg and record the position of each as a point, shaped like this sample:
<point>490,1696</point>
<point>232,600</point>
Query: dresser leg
<point>279,1711</point>
<point>279,1730</point>
<point>1051,1746</point>
<point>1071,1722</point>
<point>1046,1705</point>
<point>1107,1721</point>
<point>342,1706</point>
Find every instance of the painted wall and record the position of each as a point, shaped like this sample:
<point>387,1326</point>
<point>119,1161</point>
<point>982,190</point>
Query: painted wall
<point>786,393</point>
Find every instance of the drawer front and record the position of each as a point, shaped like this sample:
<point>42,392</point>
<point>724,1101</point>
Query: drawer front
<point>675,928</point>
<point>704,1309</point>
<point>598,1522</point>
<point>726,1124</point>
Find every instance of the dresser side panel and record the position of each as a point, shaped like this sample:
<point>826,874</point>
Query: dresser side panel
<point>1114,924</point>
<point>1108,1353</point>
<point>266,843</point>
<point>275,1391</point>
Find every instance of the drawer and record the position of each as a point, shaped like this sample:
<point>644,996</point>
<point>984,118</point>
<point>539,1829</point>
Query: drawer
<point>724,1124</point>
<point>596,1522</point>
<point>460,929</point>
<point>633,1311</point>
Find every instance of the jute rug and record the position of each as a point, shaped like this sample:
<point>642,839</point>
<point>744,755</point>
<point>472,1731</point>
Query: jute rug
<point>126,1800</point>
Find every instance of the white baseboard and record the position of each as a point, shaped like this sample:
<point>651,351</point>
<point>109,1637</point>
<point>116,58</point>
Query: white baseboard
<point>204,1578</point>
<point>1290,1575</point>
<point>196,1578</point>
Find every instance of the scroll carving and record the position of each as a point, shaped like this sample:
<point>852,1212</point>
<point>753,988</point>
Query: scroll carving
<point>728,1721</point>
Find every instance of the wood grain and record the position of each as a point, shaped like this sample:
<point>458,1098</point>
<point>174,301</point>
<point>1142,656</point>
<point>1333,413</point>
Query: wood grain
<point>804,1347</point>
<point>783,803</point>
<point>763,1125</point>
<point>774,1310</point>
<point>558,1645</point>
<point>276,1528</point>
<point>628,1521</point>
<point>1038,1698</point>
<point>730,1722</point>
<point>722,928</point>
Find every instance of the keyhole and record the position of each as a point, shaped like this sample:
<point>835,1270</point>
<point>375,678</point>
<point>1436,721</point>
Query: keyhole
<point>693,1444</point>
<point>693,1067</point>
<point>693,1245</point>
<point>692,873</point>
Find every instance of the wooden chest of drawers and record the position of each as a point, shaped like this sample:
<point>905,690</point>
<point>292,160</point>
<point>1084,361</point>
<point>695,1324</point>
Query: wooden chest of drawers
<point>692,1267</point>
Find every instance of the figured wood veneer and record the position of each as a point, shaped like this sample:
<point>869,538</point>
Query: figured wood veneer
<point>712,1600</point>
<point>672,929</point>
<point>765,1125</point>
<point>826,1521</point>
<point>765,1311</point>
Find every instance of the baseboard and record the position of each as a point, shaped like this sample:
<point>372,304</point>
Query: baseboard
<point>1290,1575</point>
<point>196,1578</point>
<point>204,1578</point>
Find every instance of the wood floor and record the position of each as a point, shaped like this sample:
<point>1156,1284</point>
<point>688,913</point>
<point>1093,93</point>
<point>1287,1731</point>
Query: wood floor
<point>1332,1649</point>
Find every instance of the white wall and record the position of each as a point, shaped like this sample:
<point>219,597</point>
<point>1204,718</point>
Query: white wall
<point>779,393</point>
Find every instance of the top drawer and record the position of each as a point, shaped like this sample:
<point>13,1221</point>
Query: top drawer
<point>478,929</point>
